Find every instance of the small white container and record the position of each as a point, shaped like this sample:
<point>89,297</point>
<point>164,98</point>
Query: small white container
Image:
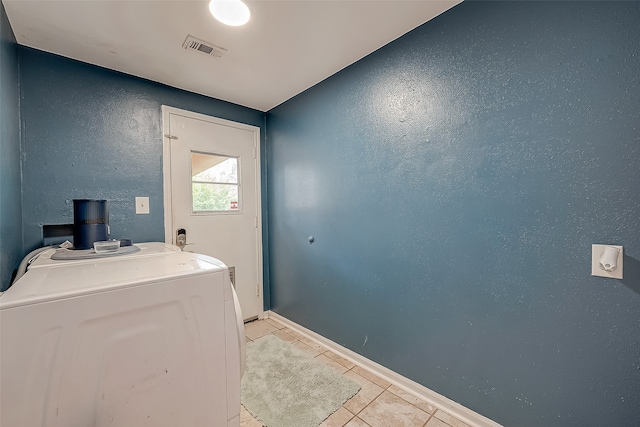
<point>106,246</point>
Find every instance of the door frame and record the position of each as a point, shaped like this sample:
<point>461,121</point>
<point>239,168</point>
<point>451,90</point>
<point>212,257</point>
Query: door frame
<point>166,182</point>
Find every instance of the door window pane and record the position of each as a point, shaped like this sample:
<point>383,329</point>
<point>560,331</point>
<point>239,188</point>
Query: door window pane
<point>214,182</point>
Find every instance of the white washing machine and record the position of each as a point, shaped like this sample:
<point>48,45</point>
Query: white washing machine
<point>153,338</point>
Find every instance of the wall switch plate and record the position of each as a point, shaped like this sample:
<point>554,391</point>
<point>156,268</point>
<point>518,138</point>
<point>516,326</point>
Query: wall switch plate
<point>142,205</point>
<point>596,253</point>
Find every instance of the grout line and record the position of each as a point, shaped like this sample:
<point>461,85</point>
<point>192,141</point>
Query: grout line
<point>364,421</point>
<point>367,405</point>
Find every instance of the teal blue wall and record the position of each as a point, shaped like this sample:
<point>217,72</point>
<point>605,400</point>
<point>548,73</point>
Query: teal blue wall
<point>89,132</point>
<point>10,195</point>
<point>454,182</point>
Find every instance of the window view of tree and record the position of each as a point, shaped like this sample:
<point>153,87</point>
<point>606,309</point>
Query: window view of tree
<point>214,197</point>
<point>215,182</point>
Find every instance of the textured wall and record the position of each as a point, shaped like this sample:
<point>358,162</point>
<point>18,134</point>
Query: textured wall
<point>10,197</point>
<point>89,132</point>
<point>454,182</point>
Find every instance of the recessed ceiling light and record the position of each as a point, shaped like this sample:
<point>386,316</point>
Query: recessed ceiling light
<point>230,12</point>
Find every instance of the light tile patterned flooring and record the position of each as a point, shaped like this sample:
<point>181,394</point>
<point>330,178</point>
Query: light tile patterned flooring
<point>377,404</point>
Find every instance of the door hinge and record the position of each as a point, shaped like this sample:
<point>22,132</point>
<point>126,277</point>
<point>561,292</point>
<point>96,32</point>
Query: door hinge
<point>166,135</point>
<point>257,290</point>
<point>232,276</point>
<point>256,222</point>
<point>255,152</point>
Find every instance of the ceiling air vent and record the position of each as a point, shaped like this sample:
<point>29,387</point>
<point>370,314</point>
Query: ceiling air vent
<point>192,43</point>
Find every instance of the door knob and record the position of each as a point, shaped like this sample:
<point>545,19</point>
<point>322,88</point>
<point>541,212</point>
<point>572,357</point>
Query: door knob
<point>181,238</point>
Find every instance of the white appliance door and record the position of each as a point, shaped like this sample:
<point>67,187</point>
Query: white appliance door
<point>146,355</point>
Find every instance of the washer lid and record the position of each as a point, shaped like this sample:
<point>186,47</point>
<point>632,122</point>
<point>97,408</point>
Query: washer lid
<point>71,279</point>
<point>146,249</point>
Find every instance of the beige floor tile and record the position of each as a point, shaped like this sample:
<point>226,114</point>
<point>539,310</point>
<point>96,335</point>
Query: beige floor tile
<point>449,419</point>
<point>284,336</point>
<point>274,323</point>
<point>258,328</point>
<point>251,422</point>
<point>341,360</point>
<point>434,422</point>
<point>302,346</point>
<point>391,410</point>
<point>293,333</point>
<point>367,393</point>
<point>244,413</point>
<point>337,419</point>
<point>317,347</point>
<point>331,363</point>
<point>357,422</point>
<point>371,377</point>
<point>247,420</point>
<point>247,339</point>
<point>414,400</point>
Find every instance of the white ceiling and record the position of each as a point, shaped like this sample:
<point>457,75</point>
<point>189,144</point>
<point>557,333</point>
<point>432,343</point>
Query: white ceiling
<point>287,46</point>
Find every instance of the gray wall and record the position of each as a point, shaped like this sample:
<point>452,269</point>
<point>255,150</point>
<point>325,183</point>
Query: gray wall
<point>10,195</point>
<point>454,182</point>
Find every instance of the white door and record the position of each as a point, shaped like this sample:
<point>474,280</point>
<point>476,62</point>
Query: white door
<point>212,193</point>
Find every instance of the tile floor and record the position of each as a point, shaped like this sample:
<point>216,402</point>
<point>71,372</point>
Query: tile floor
<point>377,404</point>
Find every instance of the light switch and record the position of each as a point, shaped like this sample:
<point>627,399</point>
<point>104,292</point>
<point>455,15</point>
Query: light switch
<point>142,205</point>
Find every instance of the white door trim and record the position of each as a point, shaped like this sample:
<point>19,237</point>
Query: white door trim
<point>166,181</point>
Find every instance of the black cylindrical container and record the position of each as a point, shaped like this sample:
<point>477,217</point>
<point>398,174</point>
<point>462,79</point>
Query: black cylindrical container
<point>90,222</point>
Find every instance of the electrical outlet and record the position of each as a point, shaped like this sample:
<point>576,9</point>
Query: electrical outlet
<point>142,205</point>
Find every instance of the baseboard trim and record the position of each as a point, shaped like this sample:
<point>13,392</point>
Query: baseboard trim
<point>439,401</point>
